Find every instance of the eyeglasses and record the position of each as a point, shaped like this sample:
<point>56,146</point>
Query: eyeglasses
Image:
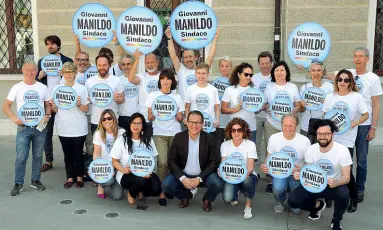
<point>248,74</point>
<point>82,59</point>
<point>323,134</point>
<point>137,123</point>
<point>195,123</point>
<point>346,80</point>
<point>239,130</point>
<point>107,118</point>
<point>317,62</point>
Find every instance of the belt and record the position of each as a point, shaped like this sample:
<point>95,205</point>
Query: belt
<point>24,126</point>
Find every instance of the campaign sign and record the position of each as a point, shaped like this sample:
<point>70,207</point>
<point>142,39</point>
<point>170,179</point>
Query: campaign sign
<point>93,23</point>
<point>221,84</point>
<point>313,178</point>
<point>101,170</point>
<point>193,25</point>
<point>341,120</point>
<point>51,65</point>
<point>208,122</point>
<point>90,72</point>
<point>101,95</point>
<point>253,100</point>
<point>191,79</point>
<point>65,97</point>
<point>164,108</point>
<point>31,96</point>
<point>280,165</point>
<point>139,28</point>
<point>141,163</point>
<point>233,171</point>
<point>237,156</point>
<point>31,114</point>
<point>280,107</point>
<point>130,90</point>
<point>314,98</point>
<point>308,41</point>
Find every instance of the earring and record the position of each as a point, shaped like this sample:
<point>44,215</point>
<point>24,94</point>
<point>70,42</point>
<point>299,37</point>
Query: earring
<point>142,132</point>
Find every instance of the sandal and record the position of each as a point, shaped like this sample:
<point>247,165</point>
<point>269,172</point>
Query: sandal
<point>45,167</point>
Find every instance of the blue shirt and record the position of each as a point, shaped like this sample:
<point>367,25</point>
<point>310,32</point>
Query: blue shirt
<point>192,167</point>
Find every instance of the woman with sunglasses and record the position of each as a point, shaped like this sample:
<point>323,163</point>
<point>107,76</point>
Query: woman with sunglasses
<point>72,127</point>
<point>136,137</point>
<point>316,72</point>
<point>164,130</point>
<point>104,137</point>
<point>237,134</point>
<point>240,81</point>
<point>347,99</point>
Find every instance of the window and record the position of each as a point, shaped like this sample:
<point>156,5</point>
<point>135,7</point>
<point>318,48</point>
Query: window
<point>378,51</point>
<point>16,42</point>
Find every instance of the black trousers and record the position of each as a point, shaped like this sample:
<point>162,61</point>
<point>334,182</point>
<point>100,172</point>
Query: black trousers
<point>48,147</point>
<point>136,184</point>
<point>352,184</point>
<point>73,155</point>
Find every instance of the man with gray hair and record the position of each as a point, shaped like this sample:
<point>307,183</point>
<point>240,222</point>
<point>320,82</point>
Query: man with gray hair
<point>294,144</point>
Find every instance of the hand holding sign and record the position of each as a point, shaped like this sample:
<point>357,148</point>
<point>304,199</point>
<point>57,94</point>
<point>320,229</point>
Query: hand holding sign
<point>331,182</point>
<point>126,170</point>
<point>168,33</point>
<point>137,54</point>
<point>78,101</point>
<point>264,168</point>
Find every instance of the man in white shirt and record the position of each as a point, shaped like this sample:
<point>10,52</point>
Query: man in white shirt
<point>295,145</point>
<point>338,166</point>
<point>32,92</point>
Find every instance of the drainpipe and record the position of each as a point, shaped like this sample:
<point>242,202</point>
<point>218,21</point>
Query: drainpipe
<point>277,31</point>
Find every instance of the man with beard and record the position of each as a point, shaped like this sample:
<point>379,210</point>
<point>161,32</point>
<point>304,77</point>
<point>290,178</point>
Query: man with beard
<point>103,63</point>
<point>53,44</point>
<point>186,70</point>
<point>338,162</point>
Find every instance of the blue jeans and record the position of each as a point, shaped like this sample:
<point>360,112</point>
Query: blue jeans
<point>230,191</point>
<point>361,145</point>
<point>173,186</point>
<point>253,136</point>
<point>24,137</point>
<point>280,187</point>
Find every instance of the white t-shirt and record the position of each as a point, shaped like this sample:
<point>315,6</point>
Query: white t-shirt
<point>354,105</point>
<point>170,127</point>
<point>185,79</point>
<point>106,146</point>
<point>296,147</point>
<point>369,85</point>
<point>327,87</point>
<point>117,71</point>
<point>37,93</point>
<point>203,99</point>
<point>114,83</point>
<point>331,161</point>
<point>232,96</point>
<point>272,89</point>
<point>120,152</point>
<point>78,79</point>
<point>246,148</point>
<point>72,122</point>
<point>148,84</point>
<point>260,82</point>
<point>130,104</point>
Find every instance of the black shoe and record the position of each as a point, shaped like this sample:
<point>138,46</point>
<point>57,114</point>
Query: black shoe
<point>336,225</point>
<point>353,206</point>
<point>269,189</point>
<point>162,201</point>
<point>360,197</point>
<point>315,215</point>
<point>328,203</point>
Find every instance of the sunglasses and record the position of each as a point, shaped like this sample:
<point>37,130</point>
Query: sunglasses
<point>248,74</point>
<point>107,118</point>
<point>239,130</point>
<point>346,80</point>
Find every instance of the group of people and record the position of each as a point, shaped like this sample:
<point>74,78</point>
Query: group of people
<point>188,157</point>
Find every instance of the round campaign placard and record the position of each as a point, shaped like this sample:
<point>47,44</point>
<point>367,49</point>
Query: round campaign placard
<point>191,79</point>
<point>237,156</point>
<point>31,96</point>
<point>208,122</point>
<point>314,98</point>
<point>31,114</point>
<point>101,95</point>
<point>233,171</point>
<point>164,108</point>
<point>341,120</point>
<point>101,170</point>
<point>93,23</point>
<point>139,28</point>
<point>65,97</point>
<point>280,165</point>
<point>141,163</point>
<point>221,84</point>
<point>279,107</point>
<point>51,64</point>
<point>313,178</point>
<point>193,25</point>
<point>130,90</point>
<point>308,41</point>
<point>253,100</point>
<point>90,72</point>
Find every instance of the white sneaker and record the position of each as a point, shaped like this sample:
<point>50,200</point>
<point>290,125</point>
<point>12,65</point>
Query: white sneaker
<point>234,203</point>
<point>247,214</point>
<point>278,207</point>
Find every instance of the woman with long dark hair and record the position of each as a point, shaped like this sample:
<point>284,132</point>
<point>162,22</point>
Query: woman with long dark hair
<point>136,137</point>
